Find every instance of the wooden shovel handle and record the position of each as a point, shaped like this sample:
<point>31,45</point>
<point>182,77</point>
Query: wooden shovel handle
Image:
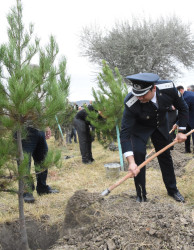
<point>171,131</point>
<point>129,175</point>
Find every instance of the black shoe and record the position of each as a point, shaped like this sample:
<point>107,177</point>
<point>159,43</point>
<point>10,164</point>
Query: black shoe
<point>187,151</point>
<point>92,159</point>
<point>141,199</point>
<point>138,199</point>
<point>177,197</point>
<point>144,198</point>
<point>48,190</point>
<point>86,162</point>
<point>28,198</point>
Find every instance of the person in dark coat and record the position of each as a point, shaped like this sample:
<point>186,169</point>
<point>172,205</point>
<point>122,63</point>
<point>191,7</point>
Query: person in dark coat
<point>35,146</point>
<point>74,134</point>
<point>83,128</point>
<point>189,99</point>
<point>144,116</point>
<point>190,88</point>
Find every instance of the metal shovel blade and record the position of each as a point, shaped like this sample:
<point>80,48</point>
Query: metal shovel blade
<point>105,192</point>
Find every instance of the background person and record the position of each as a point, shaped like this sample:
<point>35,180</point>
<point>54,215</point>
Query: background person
<point>190,88</point>
<point>144,116</point>
<point>189,99</point>
<point>74,134</point>
<point>35,146</point>
<point>84,134</point>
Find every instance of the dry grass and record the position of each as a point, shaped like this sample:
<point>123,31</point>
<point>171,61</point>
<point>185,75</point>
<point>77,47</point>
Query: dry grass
<point>74,176</point>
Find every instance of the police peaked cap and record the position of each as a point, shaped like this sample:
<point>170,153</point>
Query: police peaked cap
<point>142,82</point>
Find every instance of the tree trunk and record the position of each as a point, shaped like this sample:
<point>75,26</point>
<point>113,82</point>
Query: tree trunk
<point>23,232</point>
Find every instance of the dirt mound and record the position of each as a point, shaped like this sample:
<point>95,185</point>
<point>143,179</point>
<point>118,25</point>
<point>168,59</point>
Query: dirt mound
<point>82,208</point>
<point>180,160</point>
<point>118,222</point>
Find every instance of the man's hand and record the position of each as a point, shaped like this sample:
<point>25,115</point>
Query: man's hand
<point>48,133</point>
<point>180,137</point>
<point>133,168</point>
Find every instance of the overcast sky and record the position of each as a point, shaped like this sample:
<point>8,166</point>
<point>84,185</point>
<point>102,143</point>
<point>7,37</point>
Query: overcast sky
<point>65,19</point>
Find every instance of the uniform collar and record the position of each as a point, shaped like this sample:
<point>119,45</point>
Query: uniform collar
<point>154,100</point>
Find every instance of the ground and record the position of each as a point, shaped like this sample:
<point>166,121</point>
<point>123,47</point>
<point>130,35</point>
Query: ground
<point>119,222</point>
<point>115,221</point>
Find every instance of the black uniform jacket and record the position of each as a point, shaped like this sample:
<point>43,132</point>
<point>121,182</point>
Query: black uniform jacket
<point>141,119</point>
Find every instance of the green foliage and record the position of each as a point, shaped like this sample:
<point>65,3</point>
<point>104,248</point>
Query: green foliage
<point>65,120</point>
<point>30,94</point>
<point>7,149</point>
<point>8,168</point>
<point>52,158</point>
<point>109,100</point>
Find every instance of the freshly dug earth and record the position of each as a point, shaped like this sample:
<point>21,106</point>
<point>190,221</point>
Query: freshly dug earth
<point>179,160</point>
<point>119,222</point>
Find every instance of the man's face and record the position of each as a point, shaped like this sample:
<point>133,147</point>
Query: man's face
<point>147,97</point>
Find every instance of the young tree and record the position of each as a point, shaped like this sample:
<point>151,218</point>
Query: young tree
<point>30,95</point>
<point>109,102</point>
<point>163,46</point>
<point>64,121</point>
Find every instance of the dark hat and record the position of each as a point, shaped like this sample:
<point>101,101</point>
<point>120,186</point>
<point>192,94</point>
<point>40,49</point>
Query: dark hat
<point>142,82</point>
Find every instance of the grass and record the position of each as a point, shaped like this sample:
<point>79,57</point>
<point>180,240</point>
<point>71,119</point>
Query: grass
<point>73,176</point>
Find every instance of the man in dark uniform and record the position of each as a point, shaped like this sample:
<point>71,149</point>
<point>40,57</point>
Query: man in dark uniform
<point>145,115</point>
<point>84,134</point>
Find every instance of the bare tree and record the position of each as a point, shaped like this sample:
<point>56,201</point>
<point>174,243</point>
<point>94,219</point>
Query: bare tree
<point>143,46</point>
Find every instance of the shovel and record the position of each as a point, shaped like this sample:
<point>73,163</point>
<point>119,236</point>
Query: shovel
<point>129,175</point>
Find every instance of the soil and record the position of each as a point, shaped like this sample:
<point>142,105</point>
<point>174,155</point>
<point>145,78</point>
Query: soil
<point>40,235</point>
<point>113,222</point>
<point>180,160</point>
<point>119,222</point>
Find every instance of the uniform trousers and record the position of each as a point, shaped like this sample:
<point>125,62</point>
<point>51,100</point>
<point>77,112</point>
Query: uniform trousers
<point>36,146</point>
<point>85,139</point>
<point>164,159</point>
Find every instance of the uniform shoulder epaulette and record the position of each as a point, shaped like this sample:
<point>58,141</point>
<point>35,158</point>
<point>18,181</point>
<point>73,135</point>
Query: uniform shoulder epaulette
<point>130,99</point>
<point>166,85</point>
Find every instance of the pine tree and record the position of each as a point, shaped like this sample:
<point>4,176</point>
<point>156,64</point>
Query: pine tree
<point>64,121</point>
<point>29,95</point>
<point>109,102</point>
